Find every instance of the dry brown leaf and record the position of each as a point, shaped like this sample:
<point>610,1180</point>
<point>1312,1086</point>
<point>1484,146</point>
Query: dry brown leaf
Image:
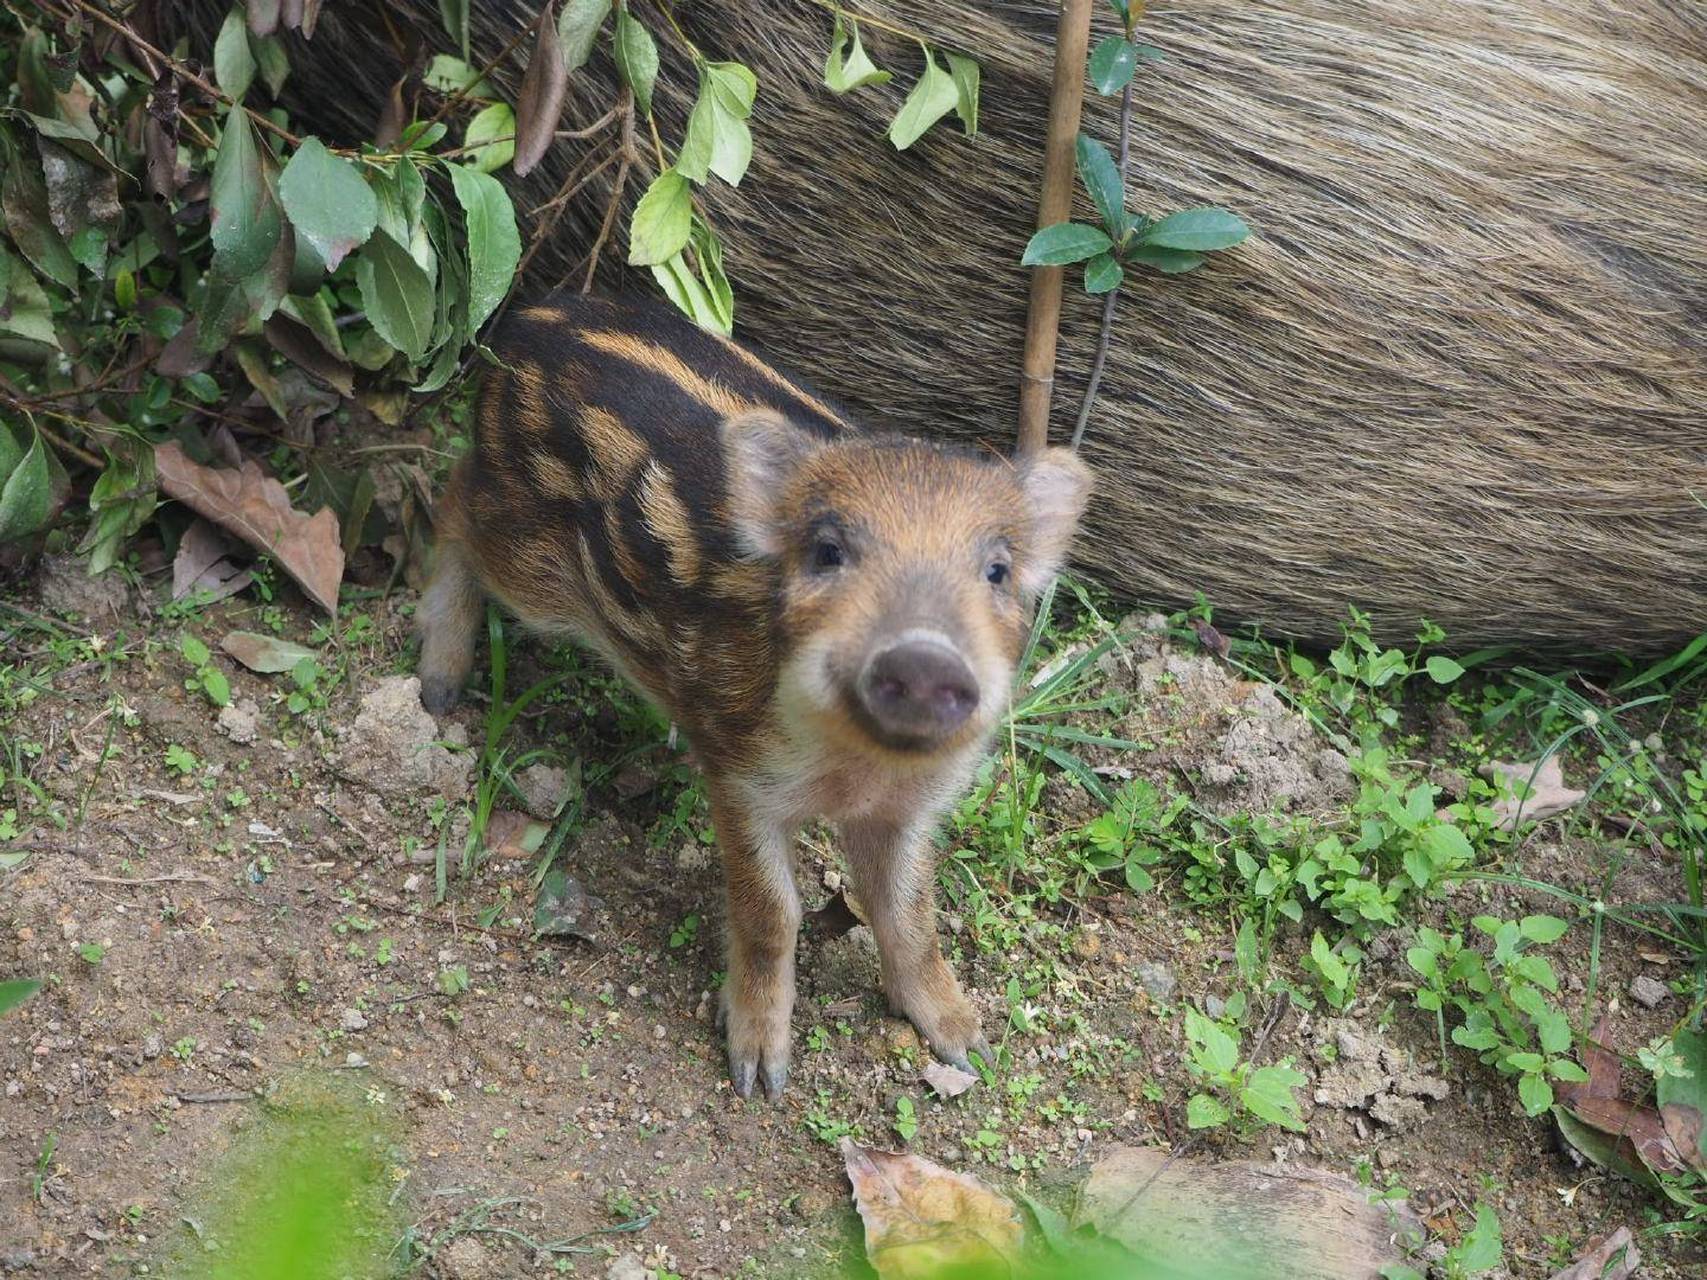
<point>949,1082</point>
<point>257,509</point>
<point>514,835</point>
<point>1641,1128</point>
<point>539,105</point>
<point>179,357</point>
<point>204,563</point>
<point>1614,1258</point>
<point>297,343</point>
<point>391,117</point>
<point>921,1218</point>
<point>1526,798</point>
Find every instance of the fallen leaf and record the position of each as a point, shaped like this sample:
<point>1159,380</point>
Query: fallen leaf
<point>1613,1258</point>
<point>921,1219</point>
<point>563,909</point>
<point>1211,639</point>
<point>949,1082</point>
<point>1602,1063</point>
<point>204,563</point>
<point>1529,793</point>
<point>267,654</point>
<point>1639,1129</point>
<point>539,105</point>
<point>256,507</point>
<point>513,835</point>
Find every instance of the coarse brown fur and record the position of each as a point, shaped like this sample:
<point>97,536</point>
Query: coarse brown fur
<point>832,617</point>
<point>1458,372</point>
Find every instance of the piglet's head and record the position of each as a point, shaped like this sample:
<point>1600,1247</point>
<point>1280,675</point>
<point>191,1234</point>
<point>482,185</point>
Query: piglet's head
<point>908,574</point>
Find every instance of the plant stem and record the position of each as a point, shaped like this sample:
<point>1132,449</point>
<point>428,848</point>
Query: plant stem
<point>1107,331</point>
<point>871,21</point>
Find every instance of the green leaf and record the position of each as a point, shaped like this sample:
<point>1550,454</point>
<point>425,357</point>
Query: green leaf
<point>273,62</point>
<point>492,134</point>
<point>1271,1094</point>
<point>1213,1047</point>
<point>1333,970</point>
<point>453,75</point>
<point>636,59</point>
<point>23,193</point>
<point>266,654</point>
<point>15,991</point>
<point>933,97</point>
<point>849,67</point>
<point>245,216</point>
<point>662,220</point>
<point>454,14</point>
<point>28,313</point>
<point>397,293</point>
<point>966,75</point>
<point>233,64</point>
<point>92,952</point>
<point>217,687</point>
<point>1063,243</point>
<point>1112,63</point>
<point>1103,273</point>
<point>718,139</point>
<point>1481,1249</point>
<point>26,499</point>
<point>1205,1112</point>
<point>1170,262</point>
<point>494,246</point>
<point>1543,929</point>
<point>1442,670</point>
<point>1197,230</point>
<point>1446,846</point>
<point>1101,177</point>
<point>194,651</point>
<point>1565,1069</point>
<point>706,297</point>
<point>578,30</point>
<point>327,202</point>
<point>1137,878</point>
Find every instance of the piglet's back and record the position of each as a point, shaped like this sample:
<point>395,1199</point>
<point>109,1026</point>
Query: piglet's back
<point>607,403</point>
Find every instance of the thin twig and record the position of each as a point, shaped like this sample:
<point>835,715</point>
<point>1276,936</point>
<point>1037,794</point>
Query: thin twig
<point>618,189</point>
<point>871,21</point>
<point>1107,332</point>
<point>456,96</point>
<point>230,1096</point>
<point>176,877</point>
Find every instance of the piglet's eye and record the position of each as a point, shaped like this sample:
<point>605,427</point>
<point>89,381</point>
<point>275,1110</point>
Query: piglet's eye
<point>996,574</point>
<point>827,554</point>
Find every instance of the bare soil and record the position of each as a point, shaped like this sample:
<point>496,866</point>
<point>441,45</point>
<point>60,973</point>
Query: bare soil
<point>275,908</point>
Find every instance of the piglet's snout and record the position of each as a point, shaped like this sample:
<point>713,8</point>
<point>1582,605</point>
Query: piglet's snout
<point>918,690</point>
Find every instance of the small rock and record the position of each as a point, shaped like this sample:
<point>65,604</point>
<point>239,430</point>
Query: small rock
<point>1350,1084</point>
<point>1649,992</point>
<point>1156,978</point>
<point>1215,1007</point>
<point>627,1267</point>
<point>152,1046</point>
<point>1398,1113</point>
<point>353,1020</point>
<point>1354,1047</point>
<point>692,857</point>
<point>394,743</point>
<point>240,721</point>
<point>543,787</point>
<point>1416,1085</point>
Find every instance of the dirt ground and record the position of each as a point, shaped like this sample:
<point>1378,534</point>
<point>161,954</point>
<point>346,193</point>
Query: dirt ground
<point>273,907</point>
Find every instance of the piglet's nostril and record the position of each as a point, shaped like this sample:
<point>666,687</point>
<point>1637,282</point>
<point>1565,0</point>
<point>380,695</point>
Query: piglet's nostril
<point>918,691</point>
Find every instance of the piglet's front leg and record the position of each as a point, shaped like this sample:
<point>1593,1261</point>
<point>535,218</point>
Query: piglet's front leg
<point>894,874</point>
<point>764,922</point>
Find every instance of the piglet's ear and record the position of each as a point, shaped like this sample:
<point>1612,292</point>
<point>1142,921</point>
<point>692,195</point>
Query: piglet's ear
<point>1056,485</point>
<point>761,451</point>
